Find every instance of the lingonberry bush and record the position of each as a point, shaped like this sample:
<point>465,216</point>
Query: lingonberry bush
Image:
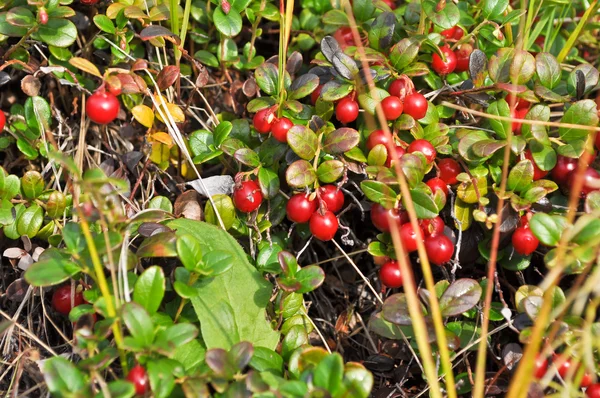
<point>250,198</point>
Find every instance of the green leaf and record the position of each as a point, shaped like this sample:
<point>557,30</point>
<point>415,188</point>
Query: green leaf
<point>369,100</point>
<point>38,114</point>
<point>330,171</point>
<point>269,182</point>
<point>247,156</point>
<point>150,289</point>
<point>300,174</point>
<point>189,252</point>
<point>139,323</point>
<point>104,23</point>
<point>120,389</point>
<point>63,378</point>
<point>341,140</point>
<point>425,206</point>
<point>231,306</point>
<point>548,70</point>
<point>329,373</point>
<point>404,52</point>
<point>217,262</point>
<point>446,18</point>
<point>266,360</point>
<point>547,228</point>
<point>310,278</point>
<point>267,78</point>
<point>296,337</point>
<point>32,184</point>
<point>30,222</point>
<point>229,24</point>
<point>10,30</point>
<point>207,58</point>
<point>169,339</point>
<point>303,141</point>
<point>20,16</point>
<point>158,245</point>
<point>500,108</point>
<point>378,192</point>
<point>226,209</point>
<point>459,297</point>
<point>494,9</point>
<point>51,270</point>
<point>520,176</point>
<point>303,86</point>
<point>582,112</point>
<point>57,32</point>
<point>381,31</point>
<point>162,203</point>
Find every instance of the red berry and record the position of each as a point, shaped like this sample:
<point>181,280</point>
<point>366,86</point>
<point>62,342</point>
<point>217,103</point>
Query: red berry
<point>597,142</point>
<point>517,114</point>
<point>61,299</point>
<point>593,391</point>
<point>137,375</point>
<point>390,274</point>
<point>390,4</point>
<point>2,121</point>
<point>299,208</point>
<point>586,380</point>
<point>538,173</point>
<point>449,33</point>
<point>439,249</point>
<point>399,150</point>
<point>444,67</point>
<point>323,226</point>
<point>463,56</point>
<point>378,137</point>
<point>333,197</point>
<point>432,226</point>
<point>344,37</point>
<point>398,88</point>
<point>263,120</point>
<point>415,105</point>
<point>247,196</point>
<point>458,33</point>
<point>43,16</point>
<point>519,103</point>
<point>590,178</point>
<point>380,216</point>
<point>346,111</point>
<point>314,96</point>
<point>392,107</point>
<point>114,90</point>
<point>449,169</point>
<point>408,237</point>
<point>564,165</point>
<point>424,147</point>
<point>102,107</point>
<point>280,129</point>
<point>540,366</point>
<point>563,364</point>
<point>437,183</point>
<point>524,241</point>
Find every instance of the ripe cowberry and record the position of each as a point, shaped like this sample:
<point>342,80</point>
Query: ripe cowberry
<point>299,208</point>
<point>415,105</point>
<point>138,376</point>
<point>424,147</point>
<point>596,143</point>
<point>333,197</point>
<point>517,114</point>
<point>2,121</point>
<point>591,179</point>
<point>346,111</point>
<point>593,391</point>
<point>61,299</point>
<point>263,120</point>
<point>378,137</point>
<point>408,237</point>
<point>444,67</point>
<point>390,274</point>
<point>540,366</point>
<point>102,107</point>
<point>380,216</point>
<point>344,37</point>
<point>280,129</point>
<point>432,226</point>
<point>524,241</point>
<point>463,57</point>
<point>398,88</point>
<point>437,183</point>
<point>538,173</point>
<point>247,196</point>
<point>439,249</point>
<point>323,226</point>
<point>448,170</point>
<point>564,165</point>
<point>399,151</point>
<point>392,107</point>
<point>314,96</point>
<point>449,33</point>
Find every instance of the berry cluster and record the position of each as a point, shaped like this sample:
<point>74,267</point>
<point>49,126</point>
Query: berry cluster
<point>566,368</point>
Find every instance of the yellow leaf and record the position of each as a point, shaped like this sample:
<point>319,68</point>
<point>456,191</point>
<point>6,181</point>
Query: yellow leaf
<point>85,65</point>
<point>160,154</point>
<point>161,137</point>
<point>113,10</point>
<point>175,111</point>
<point>144,115</point>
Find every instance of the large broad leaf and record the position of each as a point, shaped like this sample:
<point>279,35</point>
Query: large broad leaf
<point>460,297</point>
<point>57,32</point>
<point>582,113</point>
<point>231,306</point>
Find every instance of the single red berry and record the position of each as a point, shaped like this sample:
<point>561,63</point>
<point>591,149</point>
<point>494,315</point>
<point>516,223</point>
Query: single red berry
<point>138,376</point>
<point>439,249</point>
<point>564,165</point>
<point>517,114</point>
<point>280,129</point>
<point>444,67</point>
<point>424,147</point>
<point>323,226</point>
<point>399,151</point>
<point>380,216</point>
<point>432,226</point>
<point>563,364</point>
<point>61,299</point>
<point>378,137</point>
<point>590,178</point>
<point>2,121</point>
<point>540,366</point>
<point>519,103</point>
<point>263,120</point>
<point>344,37</point>
<point>524,241</point>
<point>408,237</point>
<point>314,96</point>
<point>390,4</point>
<point>390,274</point>
<point>346,111</point>
<point>463,57</point>
<point>299,208</point>
<point>415,105</point>
<point>225,6</point>
<point>392,107</point>
<point>458,33</point>
<point>538,173</point>
<point>43,16</point>
<point>333,197</point>
<point>448,170</point>
<point>449,33</point>
<point>247,196</point>
<point>586,380</point>
<point>102,107</point>
<point>593,391</point>
<point>114,90</point>
<point>398,88</point>
<point>597,142</point>
<point>437,183</point>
